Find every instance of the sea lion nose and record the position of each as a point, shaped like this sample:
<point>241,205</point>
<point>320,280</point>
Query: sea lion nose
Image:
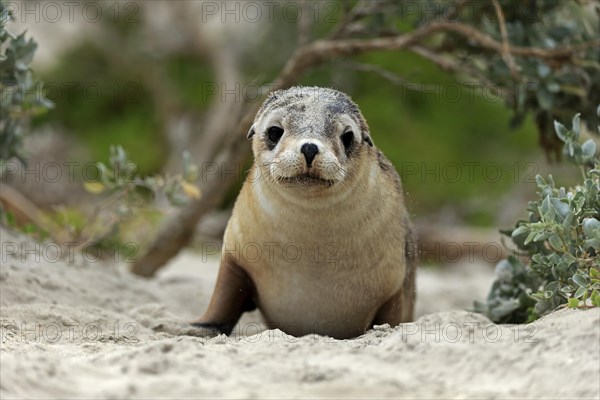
<point>309,150</point>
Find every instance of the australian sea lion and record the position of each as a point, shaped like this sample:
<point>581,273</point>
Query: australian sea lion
<point>319,239</point>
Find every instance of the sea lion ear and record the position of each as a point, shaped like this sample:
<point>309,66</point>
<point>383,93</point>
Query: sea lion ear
<point>251,132</point>
<point>367,139</point>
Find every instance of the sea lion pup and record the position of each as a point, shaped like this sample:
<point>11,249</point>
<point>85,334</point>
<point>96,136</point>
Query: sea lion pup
<point>319,239</point>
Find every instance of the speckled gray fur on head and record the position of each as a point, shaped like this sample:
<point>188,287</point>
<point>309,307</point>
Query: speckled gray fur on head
<point>313,106</point>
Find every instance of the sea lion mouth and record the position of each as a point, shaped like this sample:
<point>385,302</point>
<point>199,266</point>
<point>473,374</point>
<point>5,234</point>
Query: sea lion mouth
<point>306,179</point>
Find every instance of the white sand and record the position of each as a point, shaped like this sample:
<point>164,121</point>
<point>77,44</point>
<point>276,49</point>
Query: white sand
<point>85,330</point>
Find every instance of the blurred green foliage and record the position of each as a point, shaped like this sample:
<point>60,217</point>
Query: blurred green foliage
<point>103,104</point>
<point>548,88</point>
<point>190,77</point>
<point>439,131</point>
<point>435,123</point>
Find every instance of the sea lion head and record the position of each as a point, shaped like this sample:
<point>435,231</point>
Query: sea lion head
<point>309,138</point>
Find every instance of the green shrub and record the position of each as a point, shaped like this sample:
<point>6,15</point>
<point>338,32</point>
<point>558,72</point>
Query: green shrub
<point>559,244</point>
<point>20,94</point>
<point>121,179</point>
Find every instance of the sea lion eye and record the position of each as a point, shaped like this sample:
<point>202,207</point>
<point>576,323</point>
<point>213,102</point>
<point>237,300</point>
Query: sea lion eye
<point>347,139</point>
<point>274,133</point>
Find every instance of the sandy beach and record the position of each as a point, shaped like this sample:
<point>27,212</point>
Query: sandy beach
<point>85,329</point>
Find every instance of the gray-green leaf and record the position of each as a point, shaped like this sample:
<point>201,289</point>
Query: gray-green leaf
<point>556,242</point>
<point>580,280</point>
<point>588,149</point>
<point>580,292</point>
<point>576,125</point>
<point>561,131</point>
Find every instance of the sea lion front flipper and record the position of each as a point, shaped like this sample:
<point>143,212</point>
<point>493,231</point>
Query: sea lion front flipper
<point>400,307</point>
<point>391,311</point>
<point>232,296</point>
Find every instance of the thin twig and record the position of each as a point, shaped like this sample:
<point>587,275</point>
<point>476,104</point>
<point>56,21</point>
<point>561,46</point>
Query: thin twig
<point>361,10</point>
<point>304,24</point>
<point>387,75</point>
<point>447,64</point>
<point>506,54</point>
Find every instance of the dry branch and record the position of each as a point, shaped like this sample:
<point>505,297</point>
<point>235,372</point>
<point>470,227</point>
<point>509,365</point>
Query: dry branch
<point>178,232</point>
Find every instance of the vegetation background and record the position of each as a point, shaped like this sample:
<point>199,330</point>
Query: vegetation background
<point>465,114</point>
<point>423,123</point>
